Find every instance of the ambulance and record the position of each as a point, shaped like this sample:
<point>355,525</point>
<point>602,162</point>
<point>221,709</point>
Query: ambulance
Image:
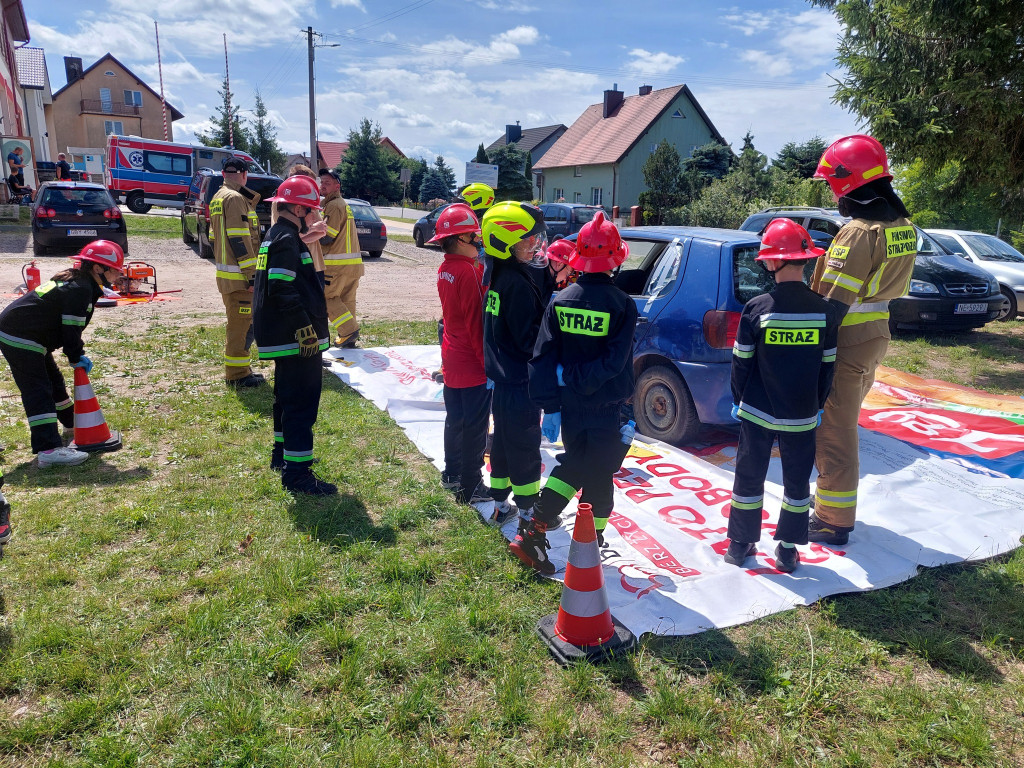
<point>142,173</point>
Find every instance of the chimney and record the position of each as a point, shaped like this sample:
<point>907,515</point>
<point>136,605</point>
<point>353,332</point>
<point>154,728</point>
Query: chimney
<point>645,89</point>
<point>612,101</point>
<point>513,133</point>
<point>72,68</point>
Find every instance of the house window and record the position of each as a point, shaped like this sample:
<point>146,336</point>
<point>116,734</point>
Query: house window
<point>597,195</point>
<point>106,101</point>
<point>578,171</point>
<point>113,126</point>
<point>133,98</point>
<point>578,198</point>
<point>557,194</point>
<point>108,73</point>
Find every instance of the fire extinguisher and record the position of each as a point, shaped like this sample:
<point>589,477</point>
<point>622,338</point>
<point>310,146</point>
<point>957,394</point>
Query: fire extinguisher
<point>30,273</point>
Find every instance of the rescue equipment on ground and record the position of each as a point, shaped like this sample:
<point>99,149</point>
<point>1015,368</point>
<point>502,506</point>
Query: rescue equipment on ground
<point>584,627</point>
<point>30,274</point>
<point>92,434</point>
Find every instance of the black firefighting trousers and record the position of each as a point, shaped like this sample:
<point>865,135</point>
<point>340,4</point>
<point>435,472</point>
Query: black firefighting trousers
<point>43,394</point>
<point>515,449</point>
<point>297,384</point>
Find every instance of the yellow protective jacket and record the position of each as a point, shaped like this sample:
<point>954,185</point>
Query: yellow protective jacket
<point>868,263</point>
<point>340,244</point>
<point>235,235</point>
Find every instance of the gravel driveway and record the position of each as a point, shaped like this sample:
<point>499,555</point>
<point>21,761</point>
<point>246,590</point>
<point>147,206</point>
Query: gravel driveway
<point>401,285</point>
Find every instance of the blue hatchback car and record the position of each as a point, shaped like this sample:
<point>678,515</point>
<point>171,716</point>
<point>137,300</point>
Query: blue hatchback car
<point>690,285</point>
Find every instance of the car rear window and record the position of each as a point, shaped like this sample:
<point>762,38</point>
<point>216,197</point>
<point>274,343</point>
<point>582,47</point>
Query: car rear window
<point>263,187</point>
<point>364,213</point>
<point>89,199</point>
<point>583,215</point>
<point>749,278</point>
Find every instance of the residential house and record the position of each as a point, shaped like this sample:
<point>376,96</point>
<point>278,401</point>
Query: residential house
<point>34,81</point>
<point>330,153</point>
<point>13,127</point>
<point>536,141</point>
<point>102,99</point>
<point>600,159</point>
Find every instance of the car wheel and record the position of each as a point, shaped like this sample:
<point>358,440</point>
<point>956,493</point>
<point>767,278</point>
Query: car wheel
<point>38,249</point>
<point>136,203</point>
<point>663,406</point>
<point>1008,309</point>
<point>205,249</point>
<point>417,237</point>
<point>185,236</point>
<point>374,254</point>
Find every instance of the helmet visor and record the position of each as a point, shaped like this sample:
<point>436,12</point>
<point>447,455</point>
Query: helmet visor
<point>538,246</point>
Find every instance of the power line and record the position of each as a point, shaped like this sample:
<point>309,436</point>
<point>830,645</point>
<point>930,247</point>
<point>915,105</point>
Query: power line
<point>547,65</point>
<point>415,6</point>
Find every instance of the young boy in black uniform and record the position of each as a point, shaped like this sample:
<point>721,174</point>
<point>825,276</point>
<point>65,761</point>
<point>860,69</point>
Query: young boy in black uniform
<point>514,236</point>
<point>581,374</point>
<point>290,324</point>
<point>782,367</point>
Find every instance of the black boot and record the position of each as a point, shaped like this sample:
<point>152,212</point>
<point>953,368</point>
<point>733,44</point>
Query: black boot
<point>5,520</point>
<point>786,558</point>
<point>738,552</point>
<point>531,546</point>
<point>825,533</point>
<point>309,484</point>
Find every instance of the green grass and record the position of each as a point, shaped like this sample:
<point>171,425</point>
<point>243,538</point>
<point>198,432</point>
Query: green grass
<point>400,238</point>
<point>160,227</point>
<point>387,627</point>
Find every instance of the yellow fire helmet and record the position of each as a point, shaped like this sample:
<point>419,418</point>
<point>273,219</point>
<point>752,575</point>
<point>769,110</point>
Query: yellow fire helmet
<point>509,223</point>
<point>479,197</point>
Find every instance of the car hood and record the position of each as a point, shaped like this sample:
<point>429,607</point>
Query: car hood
<point>944,268</point>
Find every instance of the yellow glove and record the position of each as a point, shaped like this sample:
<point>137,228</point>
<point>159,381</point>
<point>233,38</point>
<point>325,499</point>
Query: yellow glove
<point>309,345</point>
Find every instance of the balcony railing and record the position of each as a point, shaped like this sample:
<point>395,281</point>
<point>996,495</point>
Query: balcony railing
<point>111,108</point>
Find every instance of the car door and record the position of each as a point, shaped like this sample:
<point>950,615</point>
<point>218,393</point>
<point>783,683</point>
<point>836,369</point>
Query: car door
<point>556,219</point>
<point>664,266</point>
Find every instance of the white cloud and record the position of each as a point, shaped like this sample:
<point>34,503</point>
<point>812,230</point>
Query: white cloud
<point>748,23</point>
<point>348,4</point>
<point>507,6</point>
<point>647,63</point>
<point>812,36</point>
<point>403,117</point>
<point>521,35</point>
<point>772,65</point>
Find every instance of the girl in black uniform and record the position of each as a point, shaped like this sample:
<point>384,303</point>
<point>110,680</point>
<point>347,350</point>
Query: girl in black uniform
<point>31,327</point>
<point>581,374</point>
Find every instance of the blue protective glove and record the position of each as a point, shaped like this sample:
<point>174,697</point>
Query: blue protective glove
<point>558,373</point>
<point>83,362</point>
<point>551,425</point>
<point>490,383</point>
<point>735,412</point>
<point>819,417</point>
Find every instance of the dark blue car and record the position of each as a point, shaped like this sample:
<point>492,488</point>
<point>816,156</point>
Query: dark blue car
<point>690,285</point>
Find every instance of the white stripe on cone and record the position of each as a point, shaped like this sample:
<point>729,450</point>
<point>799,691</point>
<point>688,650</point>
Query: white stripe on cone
<point>89,420</point>
<point>584,605</point>
<point>84,392</point>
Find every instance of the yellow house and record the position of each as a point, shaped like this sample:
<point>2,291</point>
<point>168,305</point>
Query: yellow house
<point>106,98</point>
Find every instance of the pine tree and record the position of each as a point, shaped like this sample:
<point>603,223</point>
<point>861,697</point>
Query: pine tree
<point>512,184</point>
<point>749,177</point>
<point>364,168</point>
<point>481,155</point>
<point>801,159</point>
<point>433,187</point>
<point>219,136</point>
<point>447,175</point>
<point>663,175</point>
<point>264,140</point>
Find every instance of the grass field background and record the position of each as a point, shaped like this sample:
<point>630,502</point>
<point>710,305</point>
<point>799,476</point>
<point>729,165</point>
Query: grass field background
<point>170,605</point>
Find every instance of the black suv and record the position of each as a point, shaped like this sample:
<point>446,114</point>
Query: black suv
<point>195,213</point>
<point>566,218</point>
<point>946,292</point>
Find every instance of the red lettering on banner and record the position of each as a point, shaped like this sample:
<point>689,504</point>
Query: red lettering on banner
<point>690,483</point>
<point>639,495</point>
<point>625,478</point>
<point>652,578</point>
<point>964,434</point>
<point>668,514</point>
<point>641,460</point>
<point>702,533</point>
<point>664,470</point>
<point>714,496</point>
<point>648,546</point>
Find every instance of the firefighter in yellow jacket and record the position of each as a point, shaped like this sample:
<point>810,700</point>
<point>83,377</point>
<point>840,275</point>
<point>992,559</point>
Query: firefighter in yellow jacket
<point>235,232</point>
<point>343,263</point>
<point>868,264</point>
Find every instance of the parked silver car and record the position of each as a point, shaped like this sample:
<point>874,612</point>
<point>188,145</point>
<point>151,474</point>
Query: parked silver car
<point>1000,259</point>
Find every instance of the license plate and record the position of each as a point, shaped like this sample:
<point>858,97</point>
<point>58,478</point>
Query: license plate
<point>970,309</point>
<point>81,233</point>
<point>362,231</point>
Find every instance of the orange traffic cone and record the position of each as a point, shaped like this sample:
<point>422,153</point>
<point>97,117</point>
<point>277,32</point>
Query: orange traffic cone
<point>584,627</point>
<point>91,431</point>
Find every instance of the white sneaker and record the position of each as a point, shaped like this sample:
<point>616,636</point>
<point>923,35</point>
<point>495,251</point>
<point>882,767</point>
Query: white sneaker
<point>68,457</point>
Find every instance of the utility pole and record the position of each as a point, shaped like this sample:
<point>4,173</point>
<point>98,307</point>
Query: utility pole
<point>312,105</point>
<point>227,84</point>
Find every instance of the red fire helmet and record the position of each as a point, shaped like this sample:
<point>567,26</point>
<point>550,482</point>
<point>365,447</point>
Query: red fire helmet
<point>456,219</point>
<point>852,162</point>
<point>102,252</point>
<point>599,246</point>
<point>786,240</point>
<point>298,190</point>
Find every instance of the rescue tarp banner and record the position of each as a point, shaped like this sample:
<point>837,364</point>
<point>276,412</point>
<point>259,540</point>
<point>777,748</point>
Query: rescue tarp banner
<point>663,564</point>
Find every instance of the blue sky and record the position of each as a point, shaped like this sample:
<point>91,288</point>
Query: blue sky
<point>440,76</point>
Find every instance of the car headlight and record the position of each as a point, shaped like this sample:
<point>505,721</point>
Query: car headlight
<point>993,285</point>
<point>921,287</point>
